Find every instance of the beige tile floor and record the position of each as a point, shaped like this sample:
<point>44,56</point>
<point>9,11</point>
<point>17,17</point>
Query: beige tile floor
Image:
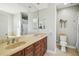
<point>70,52</point>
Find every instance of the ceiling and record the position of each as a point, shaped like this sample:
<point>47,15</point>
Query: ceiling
<point>64,5</point>
<point>34,6</point>
<point>38,6</point>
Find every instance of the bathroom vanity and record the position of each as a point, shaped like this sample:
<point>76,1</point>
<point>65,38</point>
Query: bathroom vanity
<point>36,49</point>
<point>32,45</point>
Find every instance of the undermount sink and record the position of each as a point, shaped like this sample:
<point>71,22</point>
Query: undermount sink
<point>15,45</point>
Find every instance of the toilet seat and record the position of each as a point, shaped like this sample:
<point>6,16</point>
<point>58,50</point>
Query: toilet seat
<point>62,43</point>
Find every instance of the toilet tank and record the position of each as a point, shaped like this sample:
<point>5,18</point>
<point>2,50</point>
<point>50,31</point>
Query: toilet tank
<point>63,38</point>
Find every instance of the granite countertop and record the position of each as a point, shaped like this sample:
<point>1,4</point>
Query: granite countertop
<point>29,39</point>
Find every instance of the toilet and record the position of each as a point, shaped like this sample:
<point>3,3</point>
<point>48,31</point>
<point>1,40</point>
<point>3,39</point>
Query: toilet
<point>63,42</point>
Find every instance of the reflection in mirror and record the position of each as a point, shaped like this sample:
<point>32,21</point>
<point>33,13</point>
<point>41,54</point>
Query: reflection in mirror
<point>6,23</point>
<point>35,25</point>
<point>24,23</point>
<point>42,23</point>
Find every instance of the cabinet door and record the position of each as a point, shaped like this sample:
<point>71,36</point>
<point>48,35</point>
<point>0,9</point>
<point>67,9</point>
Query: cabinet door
<point>20,53</point>
<point>45,44</point>
<point>42,46</point>
<point>29,51</point>
<point>37,49</point>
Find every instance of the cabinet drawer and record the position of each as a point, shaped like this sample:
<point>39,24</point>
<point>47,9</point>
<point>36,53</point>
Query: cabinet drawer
<point>30,47</point>
<point>45,38</point>
<point>37,43</point>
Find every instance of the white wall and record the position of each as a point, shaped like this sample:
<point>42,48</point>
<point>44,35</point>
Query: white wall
<point>3,23</point>
<point>15,9</point>
<point>17,24</point>
<point>51,27</point>
<point>10,23</point>
<point>71,15</point>
<point>49,14</point>
<point>77,44</point>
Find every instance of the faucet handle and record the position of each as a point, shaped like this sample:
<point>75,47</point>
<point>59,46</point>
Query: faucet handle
<point>13,40</point>
<point>8,42</point>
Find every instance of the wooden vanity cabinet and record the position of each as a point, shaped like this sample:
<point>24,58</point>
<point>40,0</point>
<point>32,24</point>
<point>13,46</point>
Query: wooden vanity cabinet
<point>37,49</point>
<point>20,53</point>
<point>45,44</point>
<point>29,51</point>
<point>40,47</point>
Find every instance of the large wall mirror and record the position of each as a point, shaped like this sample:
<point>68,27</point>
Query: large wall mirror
<point>6,23</point>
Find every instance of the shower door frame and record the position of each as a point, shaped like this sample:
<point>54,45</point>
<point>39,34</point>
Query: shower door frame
<point>77,34</point>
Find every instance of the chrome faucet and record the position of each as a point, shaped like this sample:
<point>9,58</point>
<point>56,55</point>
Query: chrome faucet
<point>13,40</point>
<point>8,42</point>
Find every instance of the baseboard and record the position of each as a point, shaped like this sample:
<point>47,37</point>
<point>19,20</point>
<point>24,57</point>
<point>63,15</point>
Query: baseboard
<point>71,47</point>
<point>50,51</point>
<point>68,46</point>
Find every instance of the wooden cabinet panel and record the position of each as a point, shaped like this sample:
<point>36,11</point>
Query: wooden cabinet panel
<point>20,53</point>
<point>37,49</point>
<point>40,47</point>
<point>29,54</point>
<point>37,43</point>
<point>29,50</point>
<point>45,44</point>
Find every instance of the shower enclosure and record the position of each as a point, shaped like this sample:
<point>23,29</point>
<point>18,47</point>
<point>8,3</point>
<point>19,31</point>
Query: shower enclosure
<point>24,24</point>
